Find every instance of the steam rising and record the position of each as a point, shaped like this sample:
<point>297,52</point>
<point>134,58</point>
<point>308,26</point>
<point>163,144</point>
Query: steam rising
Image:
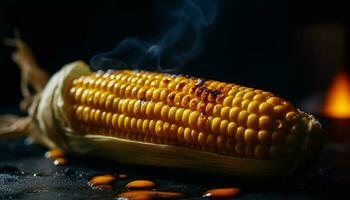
<point>182,40</point>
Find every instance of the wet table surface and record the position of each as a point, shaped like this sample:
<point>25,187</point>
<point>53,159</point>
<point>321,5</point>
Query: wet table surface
<point>26,174</point>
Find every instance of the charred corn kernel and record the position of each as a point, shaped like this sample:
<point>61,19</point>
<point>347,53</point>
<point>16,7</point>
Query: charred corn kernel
<point>186,100</point>
<point>175,110</point>
<point>193,104</point>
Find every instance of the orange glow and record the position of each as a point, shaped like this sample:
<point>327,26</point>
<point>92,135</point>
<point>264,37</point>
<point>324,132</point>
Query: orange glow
<point>337,102</point>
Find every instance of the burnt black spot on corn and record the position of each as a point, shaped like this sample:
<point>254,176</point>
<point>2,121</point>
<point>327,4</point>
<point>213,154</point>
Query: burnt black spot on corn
<point>159,119</point>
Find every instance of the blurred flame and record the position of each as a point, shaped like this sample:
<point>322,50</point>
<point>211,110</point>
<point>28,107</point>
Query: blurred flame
<point>337,102</point>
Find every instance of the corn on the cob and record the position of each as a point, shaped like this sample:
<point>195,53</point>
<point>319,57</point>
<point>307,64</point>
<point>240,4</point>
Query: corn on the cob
<point>184,111</point>
<point>160,119</point>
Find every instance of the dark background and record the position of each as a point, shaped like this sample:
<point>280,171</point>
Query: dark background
<point>290,48</point>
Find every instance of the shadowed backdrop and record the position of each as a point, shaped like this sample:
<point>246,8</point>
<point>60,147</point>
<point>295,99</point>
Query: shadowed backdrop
<point>291,49</point>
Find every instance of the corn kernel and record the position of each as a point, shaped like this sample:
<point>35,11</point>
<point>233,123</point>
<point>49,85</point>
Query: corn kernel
<point>264,137</point>
<point>240,148</point>
<point>215,125</point>
<point>240,134</point>
<point>261,151</point>
<point>265,122</point>
<point>253,107</point>
<point>253,121</point>
<point>186,116</point>
<point>231,129</point>
<point>265,109</point>
<point>193,118</point>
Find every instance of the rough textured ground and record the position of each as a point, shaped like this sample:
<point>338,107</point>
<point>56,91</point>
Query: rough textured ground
<point>26,174</point>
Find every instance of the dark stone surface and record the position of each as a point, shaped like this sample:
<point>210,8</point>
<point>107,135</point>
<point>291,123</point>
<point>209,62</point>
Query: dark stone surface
<point>26,174</point>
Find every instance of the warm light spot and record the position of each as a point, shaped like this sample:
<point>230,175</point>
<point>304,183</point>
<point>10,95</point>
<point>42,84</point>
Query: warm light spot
<point>337,102</point>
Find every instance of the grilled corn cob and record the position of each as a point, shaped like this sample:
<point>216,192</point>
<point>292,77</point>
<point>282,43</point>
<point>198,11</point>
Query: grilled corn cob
<point>177,121</point>
<point>200,114</point>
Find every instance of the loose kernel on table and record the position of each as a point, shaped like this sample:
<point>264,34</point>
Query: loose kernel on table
<point>54,153</point>
<point>222,193</point>
<point>102,180</point>
<point>138,184</point>
<point>60,161</point>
